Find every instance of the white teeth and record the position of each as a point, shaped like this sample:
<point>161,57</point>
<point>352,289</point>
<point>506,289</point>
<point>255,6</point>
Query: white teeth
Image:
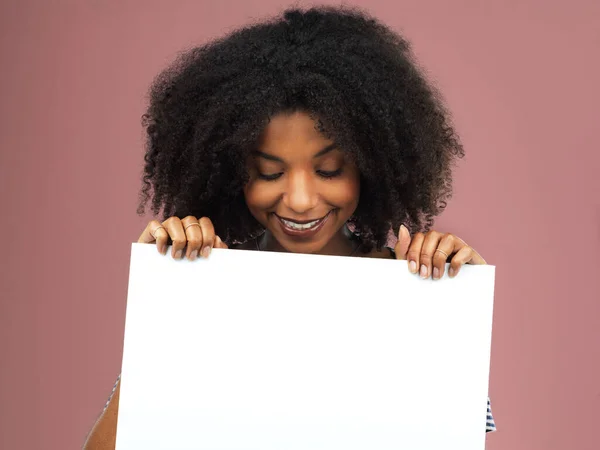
<point>300,226</point>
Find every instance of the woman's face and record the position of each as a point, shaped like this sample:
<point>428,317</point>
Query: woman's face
<point>302,189</point>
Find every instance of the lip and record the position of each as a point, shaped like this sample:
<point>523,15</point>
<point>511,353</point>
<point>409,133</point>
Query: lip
<point>304,234</point>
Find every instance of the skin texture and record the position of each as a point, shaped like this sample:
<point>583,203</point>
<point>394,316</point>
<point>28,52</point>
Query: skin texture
<point>299,193</point>
<point>289,179</point>
<point>265,101</point>
<point>354,76</point>
<point>103,435</point>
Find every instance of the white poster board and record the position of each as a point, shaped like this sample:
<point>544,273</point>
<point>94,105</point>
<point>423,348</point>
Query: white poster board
<point>270,351</point>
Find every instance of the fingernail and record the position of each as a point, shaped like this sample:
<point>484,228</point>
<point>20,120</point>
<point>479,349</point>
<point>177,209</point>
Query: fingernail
<point>178,254</point>
<point>206,252</point>
<point>413,267</point>
<point>423,271</point>
<point>193,255</point>
<point>436,273</point>
<point>451,272</point>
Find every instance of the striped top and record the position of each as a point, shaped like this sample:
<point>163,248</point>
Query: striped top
<point>490,425</point>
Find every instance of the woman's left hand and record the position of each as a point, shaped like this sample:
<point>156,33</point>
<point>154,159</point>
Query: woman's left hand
<point>428,253</point>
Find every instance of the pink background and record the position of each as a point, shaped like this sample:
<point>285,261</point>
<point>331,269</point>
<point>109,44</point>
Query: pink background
<point>522,78</point>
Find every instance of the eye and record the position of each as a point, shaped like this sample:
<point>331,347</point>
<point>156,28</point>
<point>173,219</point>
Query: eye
<point>329,174</point>
<point>270,177</point>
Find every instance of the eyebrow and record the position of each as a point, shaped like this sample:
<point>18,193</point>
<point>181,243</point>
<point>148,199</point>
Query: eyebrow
<point>320,153</point>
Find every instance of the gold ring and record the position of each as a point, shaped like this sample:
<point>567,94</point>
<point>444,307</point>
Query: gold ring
<point>153,233</point>
<point>191,225</point>
<point>443,252</point>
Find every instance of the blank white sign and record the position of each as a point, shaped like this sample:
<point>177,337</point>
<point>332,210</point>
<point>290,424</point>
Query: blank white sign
<point>271,351</point>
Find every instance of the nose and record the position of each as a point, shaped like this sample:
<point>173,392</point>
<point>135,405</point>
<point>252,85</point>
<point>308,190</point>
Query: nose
<point>300,196</point>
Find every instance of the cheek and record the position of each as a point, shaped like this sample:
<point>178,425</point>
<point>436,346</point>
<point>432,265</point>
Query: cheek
<point>345,192</point>
<point>260,197</point>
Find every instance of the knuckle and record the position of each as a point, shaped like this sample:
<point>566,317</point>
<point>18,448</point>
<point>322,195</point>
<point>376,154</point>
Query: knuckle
<point>433,233</point>
<point>425,257</point>
<point>179,242</point>
<point>195,242</point>
<point>413,255</point>
<point>171,220</point>
<point>448,237</point>
<point>467,250</point>
<point>205,221</point>
<point>459,240</point>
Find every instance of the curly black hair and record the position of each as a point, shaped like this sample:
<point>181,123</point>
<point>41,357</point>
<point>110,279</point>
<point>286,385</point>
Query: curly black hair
<point>357,77</point>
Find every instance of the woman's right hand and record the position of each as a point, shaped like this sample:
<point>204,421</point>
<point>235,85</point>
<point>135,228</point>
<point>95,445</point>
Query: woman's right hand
<point>194,236</point>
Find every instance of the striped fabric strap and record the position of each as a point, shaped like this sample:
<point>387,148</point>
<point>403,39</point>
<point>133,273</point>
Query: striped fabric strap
<point>490,425</point>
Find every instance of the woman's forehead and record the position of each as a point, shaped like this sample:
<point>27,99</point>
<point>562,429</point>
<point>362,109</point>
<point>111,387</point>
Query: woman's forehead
<point>290,131</point>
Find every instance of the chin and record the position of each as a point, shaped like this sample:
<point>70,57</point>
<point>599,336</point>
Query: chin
<point>301,247</point>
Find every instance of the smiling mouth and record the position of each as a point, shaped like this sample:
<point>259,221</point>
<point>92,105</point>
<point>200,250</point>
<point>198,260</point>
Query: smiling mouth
<point>302,228</point>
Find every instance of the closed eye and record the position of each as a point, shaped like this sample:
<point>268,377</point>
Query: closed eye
<point>270,177</point>
<point>329,174</point>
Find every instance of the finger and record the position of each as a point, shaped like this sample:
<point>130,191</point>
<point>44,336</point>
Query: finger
<point>155,232</point>
<point>177,234</point>
<point>430,244</point>
<point>219,243</point>
<point>414,252</point>
<point>448,246</point>
<point>193,235</point>
<point>208,235</point>
<point>401,247</point>
<point>463,256</point>
<point>147,235</point>
<point>477,258</point>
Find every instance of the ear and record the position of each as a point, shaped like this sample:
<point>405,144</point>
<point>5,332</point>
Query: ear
<point>403,244</point>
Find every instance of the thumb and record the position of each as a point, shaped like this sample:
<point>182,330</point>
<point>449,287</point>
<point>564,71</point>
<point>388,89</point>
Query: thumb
<point>401,248</point>
<point>219,243</point>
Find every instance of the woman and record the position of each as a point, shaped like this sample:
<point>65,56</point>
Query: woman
<point>312,133</point>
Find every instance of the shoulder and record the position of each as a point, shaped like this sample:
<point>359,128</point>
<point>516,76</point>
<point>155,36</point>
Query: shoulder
<point>104,432</point>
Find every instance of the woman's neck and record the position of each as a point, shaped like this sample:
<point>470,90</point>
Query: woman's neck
<point>344,243</point>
